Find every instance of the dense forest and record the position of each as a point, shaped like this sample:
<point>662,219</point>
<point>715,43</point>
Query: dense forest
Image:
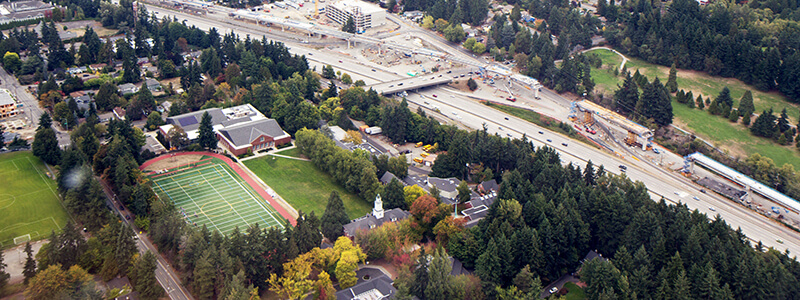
<point>755,42</point>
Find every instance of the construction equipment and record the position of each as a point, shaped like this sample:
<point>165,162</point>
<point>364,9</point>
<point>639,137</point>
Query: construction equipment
<point>510,95</point>
<point>588,119</point>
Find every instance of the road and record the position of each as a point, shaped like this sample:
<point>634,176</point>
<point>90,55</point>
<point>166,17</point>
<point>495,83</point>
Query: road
<point>31,108</point>
<point>467,111</point>
<point>165,275</point>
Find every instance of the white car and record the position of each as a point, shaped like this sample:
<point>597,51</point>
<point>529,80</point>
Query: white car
<point>553,290</point>
<point>712,209</point>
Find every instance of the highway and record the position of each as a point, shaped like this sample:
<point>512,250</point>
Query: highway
<point>469,112</point>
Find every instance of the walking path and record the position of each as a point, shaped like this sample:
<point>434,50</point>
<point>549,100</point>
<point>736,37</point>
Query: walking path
<point>624,59</point>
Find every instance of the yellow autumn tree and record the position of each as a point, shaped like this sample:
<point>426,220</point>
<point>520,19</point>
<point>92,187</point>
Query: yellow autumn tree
<point>295,282</point>
<point>347,265</point>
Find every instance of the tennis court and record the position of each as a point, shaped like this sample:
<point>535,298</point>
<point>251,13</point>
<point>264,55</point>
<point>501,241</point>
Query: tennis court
<point>210,193</point>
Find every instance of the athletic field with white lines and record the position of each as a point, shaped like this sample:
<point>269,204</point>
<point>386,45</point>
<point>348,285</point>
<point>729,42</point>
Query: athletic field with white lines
<point>209,193</point>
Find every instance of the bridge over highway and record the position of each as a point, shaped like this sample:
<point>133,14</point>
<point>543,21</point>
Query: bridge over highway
<point>407,84</point>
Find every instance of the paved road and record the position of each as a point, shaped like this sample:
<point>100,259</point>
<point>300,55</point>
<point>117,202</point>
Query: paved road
<point>468,112</point>
<point>165,275</point>
<point>30,106</point>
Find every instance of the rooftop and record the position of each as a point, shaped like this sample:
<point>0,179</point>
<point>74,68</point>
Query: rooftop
<point>350,5</point>
<point>378,288</point>
<point>6,98</point>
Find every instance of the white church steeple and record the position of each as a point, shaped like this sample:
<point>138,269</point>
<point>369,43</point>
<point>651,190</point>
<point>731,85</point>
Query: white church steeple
<point>377,211</point>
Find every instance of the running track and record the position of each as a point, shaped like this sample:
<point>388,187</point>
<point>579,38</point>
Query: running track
<point>236,169</point>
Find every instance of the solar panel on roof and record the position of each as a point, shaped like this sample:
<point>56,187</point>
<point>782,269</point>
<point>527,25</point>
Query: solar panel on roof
<point>186,121</point>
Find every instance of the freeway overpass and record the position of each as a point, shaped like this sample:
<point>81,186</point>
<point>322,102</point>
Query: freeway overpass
<point>408,84</point>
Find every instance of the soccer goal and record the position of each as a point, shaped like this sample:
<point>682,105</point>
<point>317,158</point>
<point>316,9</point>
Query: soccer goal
<point>22,239</point>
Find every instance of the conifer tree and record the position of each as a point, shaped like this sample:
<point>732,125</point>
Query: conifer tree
<point>30,263</point>
<point>334,217</point>
<point>206,137</point>
<point>672,81</point>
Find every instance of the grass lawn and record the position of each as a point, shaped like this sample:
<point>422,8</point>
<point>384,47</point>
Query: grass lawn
<point>304,186</point>
<point>538,119</point>
<point>735,138</point>
<point>294,152</point>
<point>575,292</point>
<point>28,201</point>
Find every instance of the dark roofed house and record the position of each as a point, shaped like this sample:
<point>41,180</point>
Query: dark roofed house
<point>377,288</point>
<point>119,113</point>
<point>253,136</point>
<point>412,180</point>
<point>128,88</point>
<point>152,84</point>
<point>375,219</point>
<point>488,186</point>
<point>388,176</point>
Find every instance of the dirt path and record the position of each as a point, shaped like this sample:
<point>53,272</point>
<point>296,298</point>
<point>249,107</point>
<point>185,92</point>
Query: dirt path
<point>15,260</point>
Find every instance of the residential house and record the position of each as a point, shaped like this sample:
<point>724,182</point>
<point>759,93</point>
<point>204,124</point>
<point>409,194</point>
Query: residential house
<point>374,219</point>
<point>388,176</point>
<point>152,84</point>
<point>77,70</point>
<point>128,88</point>
<point>84,102</point>
<point>375,288</point>
<point>119,113</point>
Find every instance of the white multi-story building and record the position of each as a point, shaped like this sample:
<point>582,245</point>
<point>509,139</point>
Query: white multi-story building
<point>365,15</point>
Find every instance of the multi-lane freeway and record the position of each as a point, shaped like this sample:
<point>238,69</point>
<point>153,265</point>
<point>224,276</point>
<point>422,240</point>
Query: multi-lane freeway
<point>467,111</point>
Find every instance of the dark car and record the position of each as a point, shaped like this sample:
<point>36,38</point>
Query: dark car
<point>703,191</point>
<point>541,132</point>
<point>506,118</point>
<point>549,140</point>
<point>448,72</point>
<point>564,144</point>
<point>127,217</point>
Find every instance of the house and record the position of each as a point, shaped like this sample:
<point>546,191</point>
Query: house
<point>128,88</point>
<point>8,104</point>
<point>430,159</point>
<point>488,187</point>
<point>253,136</point>
<point>447,186</point>
<point>239,128</point>
<point>98,67</point>
<point>77,70</point>
<point>152,84</point>
<point>376,288</point>
<point>119,113</point>
<point>388,176</point>
<point>376,218</point>
<point>84,102</point>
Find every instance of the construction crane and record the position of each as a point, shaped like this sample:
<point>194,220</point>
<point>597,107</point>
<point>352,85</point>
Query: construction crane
<point>510,95</point>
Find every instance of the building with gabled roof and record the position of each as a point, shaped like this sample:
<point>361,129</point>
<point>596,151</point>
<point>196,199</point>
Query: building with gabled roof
<point>374,219</point>
<point>374,289</point>
<point>238,128</point>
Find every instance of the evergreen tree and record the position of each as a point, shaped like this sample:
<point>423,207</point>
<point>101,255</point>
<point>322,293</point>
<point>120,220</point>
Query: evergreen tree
<point>746,107</point>
<point>45,121</point>
<point>394,196</point>
<point>626,97</point>
<point>699,102</point>
<point>206,137</point>
<point>4,276</point>
<point>45,146</point>
<point>203,281</point>
<point>146,283</point>
<point>307,232</point>
<point>350,25</point>
<point>30,263</point>
<point>420,283</point>
<point>334,217</point>
<point>440,285</point>
<point>783,121</point>
<point>764,125</point>
<point>672,81</point>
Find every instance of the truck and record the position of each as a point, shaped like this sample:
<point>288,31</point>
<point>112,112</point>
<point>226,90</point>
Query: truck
<point>510,95</point>
<point>418,160</point>
<point>373,130</point>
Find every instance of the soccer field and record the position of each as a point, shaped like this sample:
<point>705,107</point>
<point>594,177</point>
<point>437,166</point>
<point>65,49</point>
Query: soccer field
<point>211,194</point>
<point>28,201</point>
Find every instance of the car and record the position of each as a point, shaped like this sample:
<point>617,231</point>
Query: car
<point>310,54</point>
<point>549,140</point>
<point>623,167</point>
<point>564,144</point>
<point>506,118</point>
<point>554,290</point>
<point>127,217</point>
<point>711,209</point>
<point>498,127</point>
<point>373,70</point>
<point>656,151</point>
<point>391,85</point>
<point>399,84</point>
<point>541,132</point>
<point>340,61</point>
<point>451,96</point>
<point>434,96</point>
<point>676,193</point>
<point>440,75</point>
<point>454,113</point>
<point>695,198</point>
<point>434,77</point>
<point>455,76</point>
<point>462,75</point>
<point>508,134</point>
<point>703,191</point>
<point>448,72</point>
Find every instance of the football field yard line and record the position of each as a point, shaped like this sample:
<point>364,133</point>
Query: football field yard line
<point>198,207</point>
<point>226,200</point>
<point>278,223</point>
<point>266,223</point>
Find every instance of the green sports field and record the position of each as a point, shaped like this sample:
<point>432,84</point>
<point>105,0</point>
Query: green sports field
<point>28,200</point>
<point>210,193</point>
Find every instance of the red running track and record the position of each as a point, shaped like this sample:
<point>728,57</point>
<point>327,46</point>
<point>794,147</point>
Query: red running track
<point>236,169</point>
